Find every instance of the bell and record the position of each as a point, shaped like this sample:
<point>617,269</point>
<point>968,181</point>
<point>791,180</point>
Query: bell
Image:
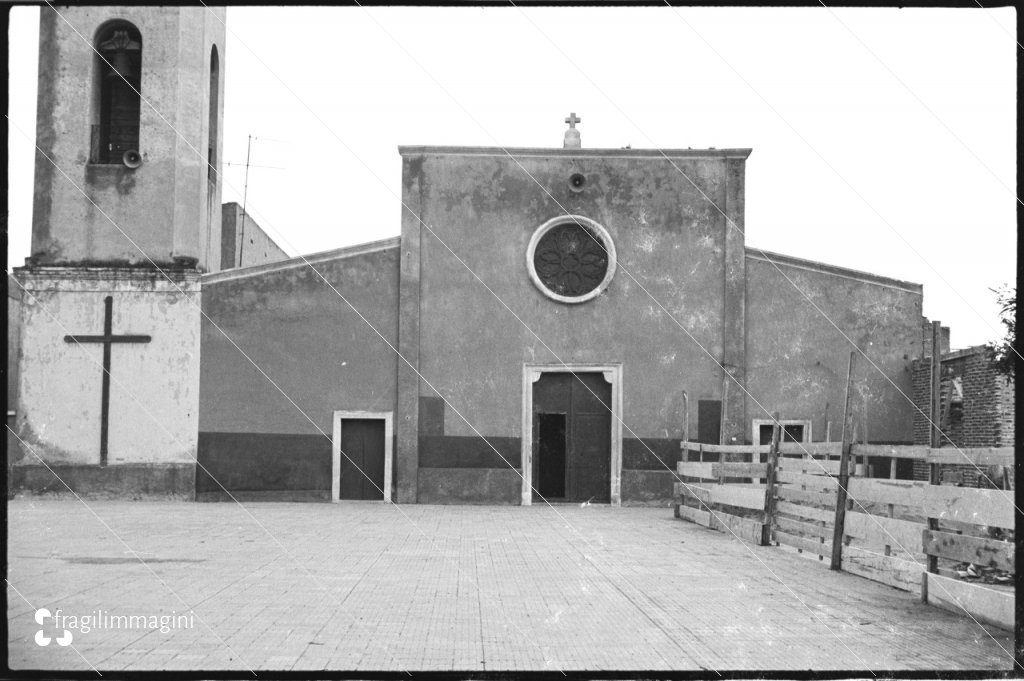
<point>122,66</point>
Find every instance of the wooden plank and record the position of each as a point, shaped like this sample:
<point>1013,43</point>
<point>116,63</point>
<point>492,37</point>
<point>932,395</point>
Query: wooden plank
<point>811,448</point>
<point>695,515</point>
<point>809,466</point>
<point>791,526</point>
<point>979,456</point>
<point>877,531</point>
<point>884,491</point>
<point>727,449</point>
<point>812,546</point>
<point>892,451</point>
<point>984,604</point>
<point>739,470</point>
<point>981,551</point>
<point>744,497</point>
<point>701,494</point>
<point>696,469</point>
<point>821,499</point>
<point>958,504</point>
<point>812,482</point>
<point>969,505</point>
<point>891,570</point>
<point>804,511</point>
<point>745,529</point>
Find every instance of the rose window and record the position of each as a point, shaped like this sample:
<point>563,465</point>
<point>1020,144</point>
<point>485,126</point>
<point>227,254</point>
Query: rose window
<point>571,259</point>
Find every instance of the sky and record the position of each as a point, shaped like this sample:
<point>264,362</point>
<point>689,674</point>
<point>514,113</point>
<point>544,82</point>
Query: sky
<point>883,140</point>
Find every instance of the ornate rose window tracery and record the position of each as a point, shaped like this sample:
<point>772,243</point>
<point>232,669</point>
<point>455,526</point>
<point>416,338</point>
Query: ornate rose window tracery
<point>571,259</point>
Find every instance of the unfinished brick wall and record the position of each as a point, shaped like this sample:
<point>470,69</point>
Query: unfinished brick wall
<point>977,406</point>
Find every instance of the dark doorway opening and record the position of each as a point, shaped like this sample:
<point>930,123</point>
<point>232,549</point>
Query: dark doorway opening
<point>572,437</point>
<point>790,433</point>
<point>550,481</point>
<point>362,459</point>
<point>709,421</point>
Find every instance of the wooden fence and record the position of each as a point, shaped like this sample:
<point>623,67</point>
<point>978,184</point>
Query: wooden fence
<point>912,535</point>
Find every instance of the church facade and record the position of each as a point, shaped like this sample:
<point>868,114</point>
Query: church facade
<point>550,324</point>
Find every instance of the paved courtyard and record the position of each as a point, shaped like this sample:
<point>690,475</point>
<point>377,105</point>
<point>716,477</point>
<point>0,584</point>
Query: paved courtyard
<point>367,586</point>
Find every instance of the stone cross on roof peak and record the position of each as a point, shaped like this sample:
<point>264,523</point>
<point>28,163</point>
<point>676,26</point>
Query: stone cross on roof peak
<point>572,135</point>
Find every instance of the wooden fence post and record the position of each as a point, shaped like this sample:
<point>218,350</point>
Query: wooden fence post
<point>844,471</point>
<point>769,490</point>
<point>934,441</point>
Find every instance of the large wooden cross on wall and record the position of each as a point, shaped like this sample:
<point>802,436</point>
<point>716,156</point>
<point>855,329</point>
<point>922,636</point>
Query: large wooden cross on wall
<point>108,339</point>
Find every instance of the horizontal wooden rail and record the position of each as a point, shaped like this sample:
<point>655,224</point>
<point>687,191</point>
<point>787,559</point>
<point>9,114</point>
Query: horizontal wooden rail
<point>978,456</point>
<point>812,546</point>
<point>812,448</point>
<point>981,551</point>
<point>747,529</point>
<point>739,470</point>
<point>960,504</point>
<point>987,605</point>
<point>696,469</point>
<point>811,482</point>
<point>724,449</point>
<point>892,570</point>
<point>820,499</point>
<point>809,466</point>
<point>876,532</point>
<point>751,497</point>
<point>798,527</point>
<point>890,451</point>
<point>801,511</point>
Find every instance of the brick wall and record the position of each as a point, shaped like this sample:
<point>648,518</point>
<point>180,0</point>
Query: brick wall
<point>977,406</point>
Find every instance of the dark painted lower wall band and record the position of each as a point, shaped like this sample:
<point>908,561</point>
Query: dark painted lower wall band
<point>650,454</point>
<point>263,462</point>
<point>120,481</point>
<point>454,451</point>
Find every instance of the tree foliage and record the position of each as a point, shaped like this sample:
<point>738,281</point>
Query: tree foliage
<point>1003,352</point>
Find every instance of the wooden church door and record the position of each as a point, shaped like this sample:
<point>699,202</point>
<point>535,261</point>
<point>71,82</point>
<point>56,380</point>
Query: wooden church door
<point>362,459</point>
<point>572,437</point>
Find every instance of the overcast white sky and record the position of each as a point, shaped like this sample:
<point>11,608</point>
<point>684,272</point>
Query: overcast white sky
<point>884,140</point>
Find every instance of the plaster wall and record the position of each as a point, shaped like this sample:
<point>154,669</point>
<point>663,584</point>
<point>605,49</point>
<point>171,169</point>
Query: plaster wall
<point>161,206</point>
<point>154,388</point>
<point>259,248</point>
<point>672,246</point>
<point>305,339</point>
<point>13,353</point>
<point>797,361</point>
<point>282,352</point>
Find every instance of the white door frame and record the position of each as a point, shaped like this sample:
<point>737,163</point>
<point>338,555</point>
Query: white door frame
<point>388,418</point>
<point>531,374</point>
<point>755,427</point>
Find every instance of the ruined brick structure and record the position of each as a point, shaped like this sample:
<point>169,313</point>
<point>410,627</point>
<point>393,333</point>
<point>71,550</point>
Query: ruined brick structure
<point>977,406</point>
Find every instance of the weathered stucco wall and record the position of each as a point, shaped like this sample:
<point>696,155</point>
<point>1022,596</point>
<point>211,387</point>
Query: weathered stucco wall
<point>162,205</point>
<point>14,296</point>
<point>797,361</point>
<point>153,388</point>
<point>258,247</point>
<point>307,341</point>
<point>670,241</point>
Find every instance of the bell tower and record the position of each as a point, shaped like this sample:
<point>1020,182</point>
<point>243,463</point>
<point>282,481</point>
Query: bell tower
<point>126,218</point>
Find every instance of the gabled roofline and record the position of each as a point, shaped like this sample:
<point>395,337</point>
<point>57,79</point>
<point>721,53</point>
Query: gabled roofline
<point>835,270</point>
<point>302,261</point>
<point>426,150</point>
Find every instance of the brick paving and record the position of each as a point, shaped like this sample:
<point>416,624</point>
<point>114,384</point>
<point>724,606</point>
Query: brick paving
<point>372,587</point>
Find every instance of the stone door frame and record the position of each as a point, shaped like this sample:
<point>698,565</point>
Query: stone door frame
<point>531,374</point>
<point>388,418</point>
